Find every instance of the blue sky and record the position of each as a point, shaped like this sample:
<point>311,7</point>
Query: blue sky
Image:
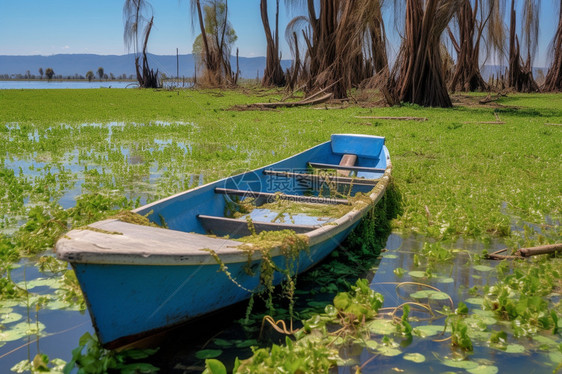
<point>47,27</point>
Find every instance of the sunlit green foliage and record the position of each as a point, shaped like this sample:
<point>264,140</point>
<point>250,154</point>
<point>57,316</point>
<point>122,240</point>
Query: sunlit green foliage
<point>95,151</point>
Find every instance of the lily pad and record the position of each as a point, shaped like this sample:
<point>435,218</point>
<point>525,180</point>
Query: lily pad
<point>388,351</point>
<point>484,313</point>
<point>555,357</point>
<point>545,341</point>
<point>29,328</point>
<point>475,320</point>
<point>208,353</point>
<point>428,330</point>
<point>462,364</point>
<point>514,348</point>
<point>342,362</point>
<point>417,274</point>
<point>381,326</point>
<point>11,335</point>
<point>223,343</point>
<point>475,301</point>
<point>482,268</point>
<point>390,256</point>
<point>414,357</point>
<point>484,369</point>
<point>371,344</point>
<point>246,343</point>
<point>41,282</point>
<point>479,335</point>
<point>445,280</point>
<point>430,294</point>
<point>11,317</point>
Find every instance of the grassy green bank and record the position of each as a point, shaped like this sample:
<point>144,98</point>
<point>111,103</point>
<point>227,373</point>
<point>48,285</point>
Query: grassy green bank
<point>70,156</point>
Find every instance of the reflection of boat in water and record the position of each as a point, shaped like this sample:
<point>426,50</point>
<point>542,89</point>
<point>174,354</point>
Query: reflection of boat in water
<point>140,279</point>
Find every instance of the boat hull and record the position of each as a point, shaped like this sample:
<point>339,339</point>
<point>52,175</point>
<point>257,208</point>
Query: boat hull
<point>138,280</point>
<point>127,302</point>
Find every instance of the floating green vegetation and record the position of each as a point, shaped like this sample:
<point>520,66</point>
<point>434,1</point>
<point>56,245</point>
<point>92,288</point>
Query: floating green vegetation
<point>90,358</point>
<point>521,295</point>
<point>95,152</point>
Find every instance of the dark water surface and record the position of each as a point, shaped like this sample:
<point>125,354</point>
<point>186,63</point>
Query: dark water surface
<point>222,331</point>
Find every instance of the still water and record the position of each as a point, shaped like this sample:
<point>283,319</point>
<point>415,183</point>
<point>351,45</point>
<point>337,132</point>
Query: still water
<point>42,85</point>
<point>59,330</point>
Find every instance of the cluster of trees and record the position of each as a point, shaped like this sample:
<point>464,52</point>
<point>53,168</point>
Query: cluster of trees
<point>49,73</point>
<point>338,45</point>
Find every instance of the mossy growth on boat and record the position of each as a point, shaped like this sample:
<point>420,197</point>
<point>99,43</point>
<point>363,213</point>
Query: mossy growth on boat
<point>291,245</point>
<point>282,207</point>
<point>129,216</point>
<point>236,207</point>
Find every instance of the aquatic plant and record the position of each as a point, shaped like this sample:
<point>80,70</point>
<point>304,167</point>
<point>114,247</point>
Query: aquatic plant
<point>90,357</point>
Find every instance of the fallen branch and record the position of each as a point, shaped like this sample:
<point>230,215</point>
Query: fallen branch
<point>489,122</point>
<point>496,255</point>
<point>498,121</point>
<point>489,99</point>
<point>290,104</point>
<point>526,252</point>
<point>540,250</point>
<point>394,118</point>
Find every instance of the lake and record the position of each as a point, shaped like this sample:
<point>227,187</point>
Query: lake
<point>42,85</point>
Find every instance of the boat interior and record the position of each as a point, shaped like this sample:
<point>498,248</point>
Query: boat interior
<point>301,193</point>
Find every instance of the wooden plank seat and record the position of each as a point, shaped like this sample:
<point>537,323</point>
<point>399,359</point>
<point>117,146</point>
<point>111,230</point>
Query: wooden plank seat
<point>271,197</point>
<point>319,165</point>
<point>317,177</point>
<point>347,160</point>
<point>222,226</point>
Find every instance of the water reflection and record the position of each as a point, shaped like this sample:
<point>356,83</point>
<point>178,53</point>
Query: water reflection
<point>48,329</point>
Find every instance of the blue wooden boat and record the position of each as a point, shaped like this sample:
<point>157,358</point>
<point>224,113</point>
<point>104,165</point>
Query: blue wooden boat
<point>138,280</point>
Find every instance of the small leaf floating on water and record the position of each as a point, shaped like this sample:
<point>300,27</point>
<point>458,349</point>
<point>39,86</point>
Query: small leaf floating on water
<point>208,353</point>
<point>414,357</point>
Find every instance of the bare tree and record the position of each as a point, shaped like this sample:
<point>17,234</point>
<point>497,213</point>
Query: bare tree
<point>553,80</point>
<point>338,39</point>
<point>475,19</point>
<point>100,73</point>
<point>217,37</point>
<point>417,76</point>
<point>49,72</point>
<point>41,72</point>
<point>520,74</point>
<point>273,74</point>
<point>135,15</point>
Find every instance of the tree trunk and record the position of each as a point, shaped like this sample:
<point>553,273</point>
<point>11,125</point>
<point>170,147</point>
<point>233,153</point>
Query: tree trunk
<point>553,80</point>
<point>273,74</point>
<point>212,74</point>
<point>520,76</point>
<point>418,75</point>
<point>467,75</point>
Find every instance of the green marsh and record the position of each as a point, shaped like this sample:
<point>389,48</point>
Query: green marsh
<point>71,157</point>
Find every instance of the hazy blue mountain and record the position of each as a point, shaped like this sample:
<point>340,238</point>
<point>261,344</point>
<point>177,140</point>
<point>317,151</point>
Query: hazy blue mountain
<point>72,64</point>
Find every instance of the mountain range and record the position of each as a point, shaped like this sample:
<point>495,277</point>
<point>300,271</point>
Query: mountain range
<point>69,65</point>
